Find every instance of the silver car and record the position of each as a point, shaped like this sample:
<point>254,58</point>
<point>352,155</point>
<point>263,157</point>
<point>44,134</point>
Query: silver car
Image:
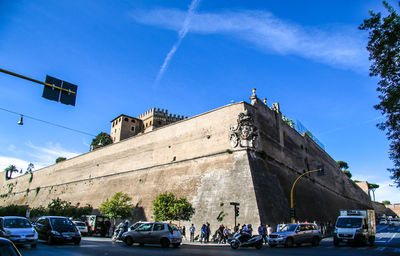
<point>297,234</point>
<point>154,233</point>
<point>19,230</point>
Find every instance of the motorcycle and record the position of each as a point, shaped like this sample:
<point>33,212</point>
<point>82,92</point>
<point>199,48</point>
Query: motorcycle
<point>117,234</point>
<point>256,241</point>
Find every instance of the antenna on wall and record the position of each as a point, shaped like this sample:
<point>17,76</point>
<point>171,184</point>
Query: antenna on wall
<point>21,120</point>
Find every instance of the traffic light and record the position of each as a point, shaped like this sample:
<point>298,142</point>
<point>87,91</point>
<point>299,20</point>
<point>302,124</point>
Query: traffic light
<point>236,211</point>
<point>292,213</point>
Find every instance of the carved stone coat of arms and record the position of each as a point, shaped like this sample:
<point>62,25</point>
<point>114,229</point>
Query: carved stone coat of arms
<point>244,133</point>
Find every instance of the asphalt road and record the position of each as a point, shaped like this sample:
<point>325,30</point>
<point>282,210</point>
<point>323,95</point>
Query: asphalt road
<point>387,243</point>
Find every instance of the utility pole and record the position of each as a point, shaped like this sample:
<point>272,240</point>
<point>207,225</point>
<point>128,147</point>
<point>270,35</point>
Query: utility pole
<point>235,209</point>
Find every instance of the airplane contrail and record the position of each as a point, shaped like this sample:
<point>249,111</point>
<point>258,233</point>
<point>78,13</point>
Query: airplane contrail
<point>182,33</point>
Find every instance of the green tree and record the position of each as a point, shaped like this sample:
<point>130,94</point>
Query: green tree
<point>167,206</point>
<point>373,187</point>
<point>60,159</point>
<point>383,47</point>
<point>10,170</point>
<point>344,167</point>
<point>30,167</point>
<point>101,140</point>
<point>118,206</point>
<point>385,202</point>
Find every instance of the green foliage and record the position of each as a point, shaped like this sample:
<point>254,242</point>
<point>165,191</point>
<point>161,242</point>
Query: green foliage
<point>221,216</point>
<point>167,206</point>
<point>30,167</point>
<point>101,140</point>
<point>10,170</point>
<point>13,210</point>
<point>383,47</point>
<point>118,206</point>
<point>348,173</point>
<point>229,151</point>
<point>31,177</point>
<point>385,202</point>
<point>60,159</point>
<point>37,190</point>
<point>373,186</point>
<point>343,165</point>
<point>58,207</point>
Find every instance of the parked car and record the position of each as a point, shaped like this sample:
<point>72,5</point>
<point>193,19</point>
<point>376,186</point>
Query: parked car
<point>19,230</point>
<point>82,227</point>
<point>97,224</point>
<point>394,222</point>
<point>383,222</point>
<point>7,248</point>
<point>57,229</point>
<point>154,233</point>
<point>297,234</point>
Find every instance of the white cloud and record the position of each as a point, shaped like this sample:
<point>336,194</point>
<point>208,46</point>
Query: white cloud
<point>340,47</point>
<point>182,33</point>
<point>40,156</point>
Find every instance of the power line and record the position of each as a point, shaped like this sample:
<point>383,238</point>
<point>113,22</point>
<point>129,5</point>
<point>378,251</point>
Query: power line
<point>47,122</point>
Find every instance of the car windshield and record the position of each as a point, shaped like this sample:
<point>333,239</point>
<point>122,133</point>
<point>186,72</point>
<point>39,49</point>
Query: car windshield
<point>16,223</point>
<point>8,250</point>
<point>288,228</point>
<point>81,224</point>
<point>348,223</point>
<point>62,224</point>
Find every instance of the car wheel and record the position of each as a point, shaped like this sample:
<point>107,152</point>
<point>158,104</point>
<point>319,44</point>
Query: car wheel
<point>164,243</point>
<point>315,241</point>
<point>50,240</point>
<point>335,242</point>
<point>289,242</point>
<point>176,245</point>
<point>259,246</point>
<point>33,245</point>
<point>371,240</point>
<point>128,241</point>
<point>234,244</point>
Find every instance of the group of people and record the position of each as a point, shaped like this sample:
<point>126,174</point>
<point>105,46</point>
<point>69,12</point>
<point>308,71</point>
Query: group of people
<point>265,231</point>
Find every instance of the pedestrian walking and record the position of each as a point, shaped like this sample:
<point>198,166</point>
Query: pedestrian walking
<point>203,233</point>
<point>192,229</point>
<point>226,234</point>
<point>208,232</point>
<point>184,232</point>
<point>262,231</point>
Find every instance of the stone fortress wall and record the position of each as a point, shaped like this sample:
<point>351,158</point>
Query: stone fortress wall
<point>200,158</point>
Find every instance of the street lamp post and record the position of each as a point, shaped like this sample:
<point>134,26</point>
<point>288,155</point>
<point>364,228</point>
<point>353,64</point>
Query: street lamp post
<point>292,210</point>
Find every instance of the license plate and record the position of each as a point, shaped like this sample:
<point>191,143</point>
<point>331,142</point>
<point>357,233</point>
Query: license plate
<point>22,240</point>
<point>68,238</point>
<point>345,240</point>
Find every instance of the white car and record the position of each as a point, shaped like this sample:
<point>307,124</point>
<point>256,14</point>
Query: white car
<point>383,222</point>
<point>82,227</point>
<point>19,230</point>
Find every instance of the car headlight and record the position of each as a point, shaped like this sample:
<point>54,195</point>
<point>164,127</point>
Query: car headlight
<point>55,233</point>
<point>281,236</point>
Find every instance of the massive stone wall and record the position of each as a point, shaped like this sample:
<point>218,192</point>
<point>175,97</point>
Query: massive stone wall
<point>196,159</point>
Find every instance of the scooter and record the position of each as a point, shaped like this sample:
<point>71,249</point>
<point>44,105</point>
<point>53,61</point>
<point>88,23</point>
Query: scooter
<point>117,234</point>
<point>256,241</point>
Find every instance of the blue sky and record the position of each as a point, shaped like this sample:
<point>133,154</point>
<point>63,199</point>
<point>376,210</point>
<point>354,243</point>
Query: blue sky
<point>190,57</point>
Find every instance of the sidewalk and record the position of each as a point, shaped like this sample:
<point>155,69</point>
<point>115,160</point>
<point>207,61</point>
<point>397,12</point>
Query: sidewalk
<point>196,243</point>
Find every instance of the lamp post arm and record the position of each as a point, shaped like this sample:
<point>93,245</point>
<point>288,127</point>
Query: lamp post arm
<point>291,191</point>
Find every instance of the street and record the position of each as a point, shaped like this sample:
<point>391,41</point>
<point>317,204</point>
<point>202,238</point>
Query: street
<point>387,243</point>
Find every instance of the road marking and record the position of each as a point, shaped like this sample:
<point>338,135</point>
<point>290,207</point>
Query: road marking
<point>380,248</point>
<point>392,237</point>
<point>380,241</point>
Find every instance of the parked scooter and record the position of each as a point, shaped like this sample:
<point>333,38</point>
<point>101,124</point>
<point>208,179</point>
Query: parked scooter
<point>256,241</point>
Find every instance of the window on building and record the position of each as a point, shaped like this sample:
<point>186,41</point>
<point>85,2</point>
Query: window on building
<point>114,139</point>
<point>150,123</point>
<point>115,131</point>
<point>133,128</point>
<point>133,120</point>
<point>159,123</point>
<point>126,119</point>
